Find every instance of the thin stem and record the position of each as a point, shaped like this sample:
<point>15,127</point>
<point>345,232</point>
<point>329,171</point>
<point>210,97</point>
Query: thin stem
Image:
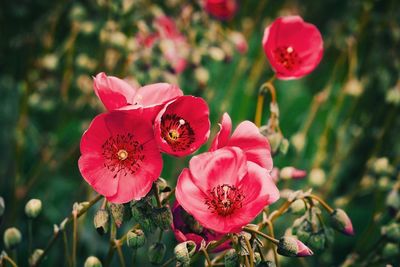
<point>269,238</point>
<point>259,109</point>
<point>322,202</point>
<point>120,255</point>
<point>66,250</point>
<point>250,249</point>
<point>7,258</point>
<point>167,197</point>
<point>156,195</point>
<point>260,99</point>
<point>30,236</point>
<point>211,247</point>
<point>168,262</point>
<point>134,257</point>
<point>280,211</point>
<point>74,236</point>
<point>271,231</point>
<point>209,263</point>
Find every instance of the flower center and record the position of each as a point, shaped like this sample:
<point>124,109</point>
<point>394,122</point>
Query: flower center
<point>122,154</point>
<point>176,132</point>
<point>224,199</point>
<point>287,57</point>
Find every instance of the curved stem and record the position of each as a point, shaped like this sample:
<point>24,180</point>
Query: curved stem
<point>322,202</point>
<point>74,236</point>
<point>251,254</point>
<point>209,263</point>
<point>271,231</point>
<point>168,262</point>
<point>120,255</point>
<point>7,258</point>
<point>269,238</point>
<point>260,99</point>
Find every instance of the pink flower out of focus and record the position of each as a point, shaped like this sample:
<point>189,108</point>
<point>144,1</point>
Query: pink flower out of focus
<point>224,191</point>
<point>221,9</point>
<point>186,228</point>
<point>116,93</point>
<point>248,138</point>
<point>293,47</point>
<point>120,158</point>
<point>182,125</point>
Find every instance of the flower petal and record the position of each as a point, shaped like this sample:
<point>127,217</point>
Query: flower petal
<point>222,137</point>
<point>156,94</point>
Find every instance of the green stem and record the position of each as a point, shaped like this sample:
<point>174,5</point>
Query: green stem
<point>322,202</point>
<point>269,238</point>
<point>7,258</point>
<point>66,250</point>
<point>209,263</point>
<point>250,249</point>
<point>30,236</point>
<point>74,236</point>
<point>120,255</point>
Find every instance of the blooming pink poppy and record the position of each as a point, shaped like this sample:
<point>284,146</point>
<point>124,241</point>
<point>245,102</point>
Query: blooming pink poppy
<point>293,47</point>
<point>166,27</point>
<point>116,93</point>
<point>223,191</point>
<point>246,137</point>
<point>120,158</point>
<point>221,9</point>
<point>182,126</point>
<point>186,228</point>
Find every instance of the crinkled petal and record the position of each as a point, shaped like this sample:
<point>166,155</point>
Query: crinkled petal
<point>156,94</point>
<point>222,137</point>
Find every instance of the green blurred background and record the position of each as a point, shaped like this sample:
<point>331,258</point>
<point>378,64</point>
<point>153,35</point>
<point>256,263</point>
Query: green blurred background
<point>339,119</point>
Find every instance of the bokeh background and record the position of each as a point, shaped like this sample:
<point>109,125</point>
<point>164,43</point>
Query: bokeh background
<point>342,120</point>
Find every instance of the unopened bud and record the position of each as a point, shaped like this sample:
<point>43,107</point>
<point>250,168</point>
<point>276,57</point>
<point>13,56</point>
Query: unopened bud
<point>92,261</point>
<point>163,218</point>
<point>156,253</point>
<point>117,212</point>
<point>298,207</point>
<point>393,200</point>
<point>275,139</point>
<point>231,258</point>
<point>135,238</point>
<point>12,237</point>
<point>33,259</point>
<point>33,208</point>
<point>284,146</point>
<point>317,241</point>
<point>202,76</point>
<point>101,220</point>
<point>341,222</point>
<point>288,173</point>
<point>292,247</point>
<point>317,177</point>
<point>2,208</point>
<point>390,250</point>
<point>184,251</point>
<point>392,232</point>
<point>381,165</point>
<point>298,141</point>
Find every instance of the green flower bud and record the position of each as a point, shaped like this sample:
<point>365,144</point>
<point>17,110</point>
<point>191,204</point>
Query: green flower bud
<point>390,250</point>
<point>392,232</point>
<point>184,251</point>
<point>298,207</point>
<point>317,177</point>
<point>231,258</point>
<point>284,146</point>
<point>33,208</point>
<point>317,241</point>
<point>101,221</point>
<point>135,238</point>
<point>147,225</point>
<point>12,237</point>
<point>341,222</point>
<point>2,207</point>
<point>393,200</point>
<point>163,217</point>
<point>292,247</point>
<point>117,212</point>
<point>92,262</point>
<point>156,253</point>
<point>37,253</point>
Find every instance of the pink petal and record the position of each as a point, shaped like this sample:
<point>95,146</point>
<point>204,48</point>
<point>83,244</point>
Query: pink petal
<point>156,94</point>
<point>222,137</point>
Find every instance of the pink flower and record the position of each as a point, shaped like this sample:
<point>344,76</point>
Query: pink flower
<point>223,191</point>
<point>147,39</point>
<point>221,9</point>
<point>293,47</point>
<point>186,228</point>
<point>116,93</point>
<point>120,157</point>
<point>247,137</point>
<point>239,41</point>
<point>182,126</point>
<point>166,27</point>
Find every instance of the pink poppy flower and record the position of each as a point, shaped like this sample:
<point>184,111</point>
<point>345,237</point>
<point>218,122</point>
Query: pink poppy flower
<point>293,47</point>
<point>120,158</point>
<point>223,191</point>
<point>186,228</point>
<point>166,27</point>
<point>182,126</point>
<point>116,93</point>
<point>221,9</point>
<point>247,137</point>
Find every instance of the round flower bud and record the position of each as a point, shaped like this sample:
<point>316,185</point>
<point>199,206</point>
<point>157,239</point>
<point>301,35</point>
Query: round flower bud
<point>156,253</point>
<point>298,141</point>
<point>33,208</point>
<point>135,238</point>
<point>392,232</point>
<point>341,222</point>
<point>393,200</point>
<point>231,258</point>
<point>381,165</point>
<point>292,247</point>
<point>298,207</point>
<point>2,207</point>
<point>317,241</point>
<point>184,251</point>
<point>92,261</point>
<point>37,253</point>
<point>317,177</point>
<point>12,237</point>
<point>390,250</point>
<point>101,220</point>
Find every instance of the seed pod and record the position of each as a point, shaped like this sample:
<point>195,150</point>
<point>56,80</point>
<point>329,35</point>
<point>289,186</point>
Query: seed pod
<point>12,237</point>
<point>156,253</point>
<point>184,251</point>
<point>92,261</point>
<point>341,222</point>
<point>135,238</point>
<point>37,253</point>
<point>292,247</point>
<point>231,258</point>
<point>33,208</point>
<point>101,221</point>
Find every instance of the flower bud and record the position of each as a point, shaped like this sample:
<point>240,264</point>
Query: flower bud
<point>390,250</point>
<point>33,208</point>
<point>298,207</point>
<point>12,237</point>
<point>231,258</point>
<point>117,212</point>
<point>288,173</point>
<point>156,253</point>
<point>92,261</point>
<point>135,238</point>
<point>292,247</point>
<point>2,208</point>
<point>184,251</point>
<point>163,217</point>
<point>202,76</point>
<point>381,165</point>
<point>37,253</point>
<point>317,177</point>
<point>317,241</point>
<point>298,141</point>
<point>393,200</point>
<point>341,222</point>
<point>162,185</point>
<point>284,146</point>
<point>392,232</point>
<point>101,220</point>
